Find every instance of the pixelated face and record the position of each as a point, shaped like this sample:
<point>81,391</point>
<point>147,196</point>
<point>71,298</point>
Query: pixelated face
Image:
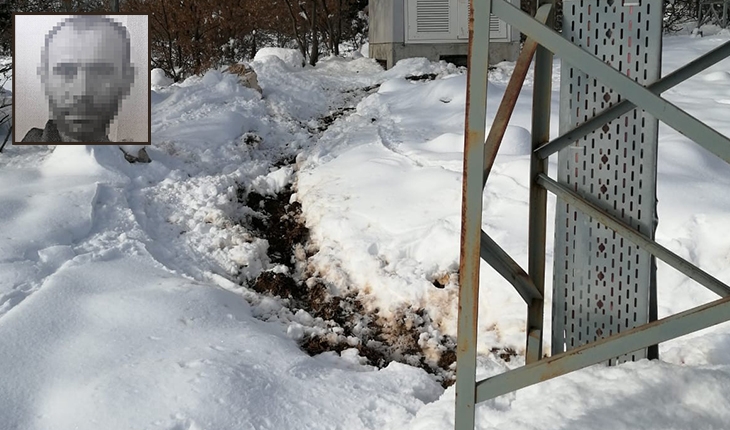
<point>86,79</point>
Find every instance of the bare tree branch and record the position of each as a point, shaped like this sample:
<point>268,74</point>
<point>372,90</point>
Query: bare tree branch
<point>7,136</point>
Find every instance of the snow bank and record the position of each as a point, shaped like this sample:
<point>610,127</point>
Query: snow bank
<point>208,109</point>
<point>308,95</point>
<point>274,182</point>
<point>291,57</point>
<point>419,66</point>
<point>383,187</point>
<point>137,347</point>
<point>159,78</point>
<point>85,160</point>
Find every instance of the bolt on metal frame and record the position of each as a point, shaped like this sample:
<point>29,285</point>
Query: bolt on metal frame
<point>478,160</point>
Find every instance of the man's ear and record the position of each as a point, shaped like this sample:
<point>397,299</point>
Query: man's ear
<point>42,73</point>
<point>130,74</point>
<point>128,78</point>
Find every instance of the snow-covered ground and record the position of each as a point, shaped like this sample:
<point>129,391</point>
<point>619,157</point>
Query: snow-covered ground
<point>121,297</point>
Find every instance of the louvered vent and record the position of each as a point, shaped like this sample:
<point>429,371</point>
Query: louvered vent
<point>432,16</point>
<point>494,23</point>
<point>497,28</point>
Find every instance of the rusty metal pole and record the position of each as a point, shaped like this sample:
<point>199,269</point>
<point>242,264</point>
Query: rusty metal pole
<point>471,212</point>
<point>538,196</point>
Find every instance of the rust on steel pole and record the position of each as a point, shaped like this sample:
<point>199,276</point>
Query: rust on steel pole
<point>471,212</point>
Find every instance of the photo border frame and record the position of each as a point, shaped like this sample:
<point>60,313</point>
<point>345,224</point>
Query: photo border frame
<point>16,141</point>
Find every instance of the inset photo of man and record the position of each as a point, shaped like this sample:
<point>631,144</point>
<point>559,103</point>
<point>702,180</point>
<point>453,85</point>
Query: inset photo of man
<point>81,79</point>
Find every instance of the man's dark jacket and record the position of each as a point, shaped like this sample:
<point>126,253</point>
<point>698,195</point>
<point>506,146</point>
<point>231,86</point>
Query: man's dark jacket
<point>49,134</point>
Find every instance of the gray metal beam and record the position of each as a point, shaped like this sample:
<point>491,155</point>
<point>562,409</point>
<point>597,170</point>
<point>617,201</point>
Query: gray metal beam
<point>471,212</point>
<point>537,216</point>
<point>662,253</point>
<point>493,254</point>
<point>668,113</point>
<point>622,343</point>
<point>676,77</point>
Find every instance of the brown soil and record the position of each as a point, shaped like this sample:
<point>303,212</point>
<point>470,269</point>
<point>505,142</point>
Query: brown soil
<point>326,121</point>
<point>505,354</point>
<point>354,95</point>
<point>380,340</point>
<point>277,284</point>
<point>279,223</point>
<point>426,77</point>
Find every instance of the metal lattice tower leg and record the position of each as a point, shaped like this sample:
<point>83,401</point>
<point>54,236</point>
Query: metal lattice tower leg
<point>605,288</point>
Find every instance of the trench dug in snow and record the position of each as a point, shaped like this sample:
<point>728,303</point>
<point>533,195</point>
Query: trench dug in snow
<point>345,323</point>
<point>339,322</point>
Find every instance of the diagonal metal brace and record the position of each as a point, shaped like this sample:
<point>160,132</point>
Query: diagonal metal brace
<point>493,254</point>
<point>677,262</point>
<point>629,341</point>
<point>511,94</point>
<point>676,77</point>
<point>668,113</point>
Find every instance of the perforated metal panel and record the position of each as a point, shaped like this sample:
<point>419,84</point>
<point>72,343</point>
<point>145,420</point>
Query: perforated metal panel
<point>602,282</point>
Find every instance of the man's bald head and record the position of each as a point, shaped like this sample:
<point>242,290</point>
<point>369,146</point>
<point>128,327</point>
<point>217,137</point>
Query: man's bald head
<point>86,72</point>
<point>91,23</point>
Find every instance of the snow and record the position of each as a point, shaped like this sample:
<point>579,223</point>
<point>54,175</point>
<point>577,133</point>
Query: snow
<point>121,303</point>
<point>274,182</point>
<point>167,344</point>
<point>291,57</point>
<point>402,152</point>
<point>159,78</point>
